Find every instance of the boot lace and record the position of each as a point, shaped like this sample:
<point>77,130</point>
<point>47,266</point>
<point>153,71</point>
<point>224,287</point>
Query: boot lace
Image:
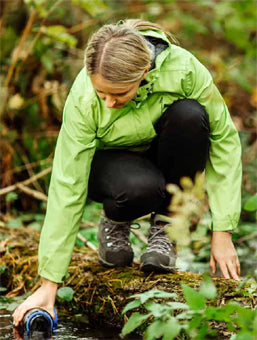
<point>117,235</point>
<point>158,240</point>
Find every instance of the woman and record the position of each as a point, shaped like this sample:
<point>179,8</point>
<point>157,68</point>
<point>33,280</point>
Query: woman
<point>142,113</point>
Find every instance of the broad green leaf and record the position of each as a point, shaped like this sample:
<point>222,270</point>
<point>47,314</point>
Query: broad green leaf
<point>131,305</point>
<point>223,313</point>
<point>184,315</point>
<point>59,32</point>
<point>251,203</point>
<point>133,322</point>
<point>193,298</point>
<point>194,323</point>
<point>2,269</point>
<point>171,329</point>
<point>177,305</point>
<point>35,225</point>
<point>154,331</point>
<point>14,223</point>
<point>11,197</point>
<point>65,293</point>
<point>154,293</point>
<point>9,306</point>
<point>92,7</point>
<point>157,309</point>
<point>244,335</point>
<point>208,289</point>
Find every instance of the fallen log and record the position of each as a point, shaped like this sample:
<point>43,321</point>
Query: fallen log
<point>99,293</point>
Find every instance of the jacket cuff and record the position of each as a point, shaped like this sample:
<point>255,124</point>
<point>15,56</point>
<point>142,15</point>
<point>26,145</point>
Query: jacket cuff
<point>51,275</point>
<point>224,225</point>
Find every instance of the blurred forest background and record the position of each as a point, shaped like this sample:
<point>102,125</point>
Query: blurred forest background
<point>42,44</point>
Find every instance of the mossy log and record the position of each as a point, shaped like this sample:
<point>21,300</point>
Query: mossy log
<point>100,293</point>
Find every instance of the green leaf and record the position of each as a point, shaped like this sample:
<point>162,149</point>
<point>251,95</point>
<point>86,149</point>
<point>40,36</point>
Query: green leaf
<point>14,223</point>
<point>193,298</point>
<point>92,7</point>
<point>208,289</point>
<point>224,313</point>
<point>171,329</point>
<point>65,293</point>
<point>154,293</point>
<point>35,225</point>
<point>251,203</point>
<point>131,305</point>
<point>157,309</point>
<point>2,269</point>
<point>154,331</point>
<point>59,32</point>
<point>11,197</point>
<point>177,305</point>
<point>133,322</point>
<point>194,323</point>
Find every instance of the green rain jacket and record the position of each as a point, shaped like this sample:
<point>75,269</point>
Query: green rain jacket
<point>88,125</point>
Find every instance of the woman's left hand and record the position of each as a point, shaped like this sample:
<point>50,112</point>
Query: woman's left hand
<point>224,254</point>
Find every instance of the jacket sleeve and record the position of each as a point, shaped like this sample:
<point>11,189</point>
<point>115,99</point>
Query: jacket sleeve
<point>223,168</point>
<point>67,192</point>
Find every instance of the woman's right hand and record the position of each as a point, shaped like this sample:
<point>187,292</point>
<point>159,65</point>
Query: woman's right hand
<point>43,297</point>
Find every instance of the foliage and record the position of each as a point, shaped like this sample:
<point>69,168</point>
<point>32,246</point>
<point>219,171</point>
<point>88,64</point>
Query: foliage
<point>169,319</point>
<point>65,293</point>
<point>187,205</point>
<point>251,203</point>
<point>42,44</point>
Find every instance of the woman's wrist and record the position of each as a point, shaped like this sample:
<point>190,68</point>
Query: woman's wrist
<point>50,286</point>
<point>48,283</point>
<point>217,234</point>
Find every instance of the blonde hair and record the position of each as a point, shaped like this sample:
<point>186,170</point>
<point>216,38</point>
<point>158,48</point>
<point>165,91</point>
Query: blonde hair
<point>119,53</point>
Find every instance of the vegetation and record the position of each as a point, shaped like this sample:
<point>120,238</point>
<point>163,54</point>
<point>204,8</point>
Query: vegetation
<point>194,318</point>
<point>42,44</point>
<point>196,307</point>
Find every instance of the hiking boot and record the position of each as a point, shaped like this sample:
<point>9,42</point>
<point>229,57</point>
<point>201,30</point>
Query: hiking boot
<point>114,244</point>
<point>160,254</point>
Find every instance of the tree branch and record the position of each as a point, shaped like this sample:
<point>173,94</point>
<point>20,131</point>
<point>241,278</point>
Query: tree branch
<point>36,194</point>
<point>13,187</point>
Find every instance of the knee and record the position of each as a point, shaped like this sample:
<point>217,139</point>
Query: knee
<point>138,192</point>
<point>190,115</point>
<point>135,199</point>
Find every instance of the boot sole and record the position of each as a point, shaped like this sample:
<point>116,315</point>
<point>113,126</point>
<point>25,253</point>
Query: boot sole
<point>112,265</point>
<point>152,265</point>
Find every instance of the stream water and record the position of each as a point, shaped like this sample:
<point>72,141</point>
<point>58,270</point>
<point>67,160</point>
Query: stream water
<point>68,329</point>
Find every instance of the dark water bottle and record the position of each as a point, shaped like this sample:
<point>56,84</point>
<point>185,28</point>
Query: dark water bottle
<point>39,320</point>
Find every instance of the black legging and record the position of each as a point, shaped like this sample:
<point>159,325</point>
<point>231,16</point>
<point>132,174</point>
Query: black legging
<point>131,184</point>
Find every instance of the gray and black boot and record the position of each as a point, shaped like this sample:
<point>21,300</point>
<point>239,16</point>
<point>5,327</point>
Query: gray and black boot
<point>160,254</point>
<point>114,244</point>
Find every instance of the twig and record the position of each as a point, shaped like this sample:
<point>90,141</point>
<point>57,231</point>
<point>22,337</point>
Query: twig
<point>37,36</point>
<point>26,182</point>
<point>16,55</point>
<point>88,224</point>
<point>86,242</point>
<point>246,238</point>
<point>4,7</point>
<point>30,170</point>
<point>29,165</point>
<point>2,224</point>
<point>36,194</point>
<point>139,235</point>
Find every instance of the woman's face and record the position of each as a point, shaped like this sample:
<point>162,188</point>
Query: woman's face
<point>115,95</point>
